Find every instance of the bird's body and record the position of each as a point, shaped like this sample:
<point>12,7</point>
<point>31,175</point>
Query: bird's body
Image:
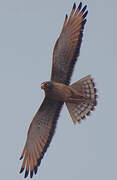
<point>79,97</point>
<point>61,92</point>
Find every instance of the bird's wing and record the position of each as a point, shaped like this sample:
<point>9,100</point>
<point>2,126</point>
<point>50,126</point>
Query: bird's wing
<point>67,46</point>
<point>39,135</point>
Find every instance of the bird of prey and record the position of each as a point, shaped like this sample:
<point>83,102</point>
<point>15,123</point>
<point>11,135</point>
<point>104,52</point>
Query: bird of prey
<point>80,97</point>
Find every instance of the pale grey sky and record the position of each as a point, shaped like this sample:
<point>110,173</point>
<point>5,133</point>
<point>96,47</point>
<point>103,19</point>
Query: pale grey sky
<point>28,31</point>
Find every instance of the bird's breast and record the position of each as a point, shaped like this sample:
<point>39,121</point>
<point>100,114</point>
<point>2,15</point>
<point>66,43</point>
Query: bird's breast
<point>60,92</point>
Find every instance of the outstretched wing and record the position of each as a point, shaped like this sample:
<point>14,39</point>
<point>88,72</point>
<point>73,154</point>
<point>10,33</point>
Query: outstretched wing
<point>44,122</point>
<point>39,135</point>
<point>67,46</point>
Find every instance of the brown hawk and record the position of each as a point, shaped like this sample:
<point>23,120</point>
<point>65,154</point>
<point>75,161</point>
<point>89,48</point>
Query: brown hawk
<point>80,97</point>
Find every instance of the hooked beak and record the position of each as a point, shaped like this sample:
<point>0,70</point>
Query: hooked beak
<point>42,86</point>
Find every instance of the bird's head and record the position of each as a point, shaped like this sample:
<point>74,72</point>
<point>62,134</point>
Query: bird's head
<point>47,86</point>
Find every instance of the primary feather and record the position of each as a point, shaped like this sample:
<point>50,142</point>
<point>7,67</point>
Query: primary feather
<point>67,46</point>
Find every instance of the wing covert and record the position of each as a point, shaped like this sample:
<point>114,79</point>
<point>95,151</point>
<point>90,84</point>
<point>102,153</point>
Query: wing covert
<point>67,46</point>
<point>39,135</point>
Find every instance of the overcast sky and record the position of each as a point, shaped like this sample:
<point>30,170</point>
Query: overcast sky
<point>28,31</point>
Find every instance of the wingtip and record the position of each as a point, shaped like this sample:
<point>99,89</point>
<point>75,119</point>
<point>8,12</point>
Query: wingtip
<point>84,8</point>
<point>26,174</point>
<point>85,14</point>
<point>21,170</point>
<point>80,5</point>
<point>20,157</point>
<point>35,170</point>
<point>31,174</point>
<point>74,5</point>
<point>83,23</point>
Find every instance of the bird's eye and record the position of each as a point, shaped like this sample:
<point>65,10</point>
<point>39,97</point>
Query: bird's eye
<point>47,85</point>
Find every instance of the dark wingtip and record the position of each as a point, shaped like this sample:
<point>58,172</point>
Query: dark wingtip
<point>84,8</point>
<point>26,174</point>
<point>31,174</point>
<point>85,14</point>
<point>74,5</point>
<point>66,16</point>
<point>35,170</point>
<point>39,162</point>
<point>83,23</point>
<point>21,157</point>
<point>80,5</point>
<point>21,170</point>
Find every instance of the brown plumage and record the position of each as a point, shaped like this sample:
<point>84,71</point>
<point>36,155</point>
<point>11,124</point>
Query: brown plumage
<point>67,47</point>
<point>80,109</point>
<point>80,97</point>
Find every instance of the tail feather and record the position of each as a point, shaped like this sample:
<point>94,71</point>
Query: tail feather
<point>79,110</point>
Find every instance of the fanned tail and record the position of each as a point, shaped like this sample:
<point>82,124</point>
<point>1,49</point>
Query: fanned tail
<point>79,110</point>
